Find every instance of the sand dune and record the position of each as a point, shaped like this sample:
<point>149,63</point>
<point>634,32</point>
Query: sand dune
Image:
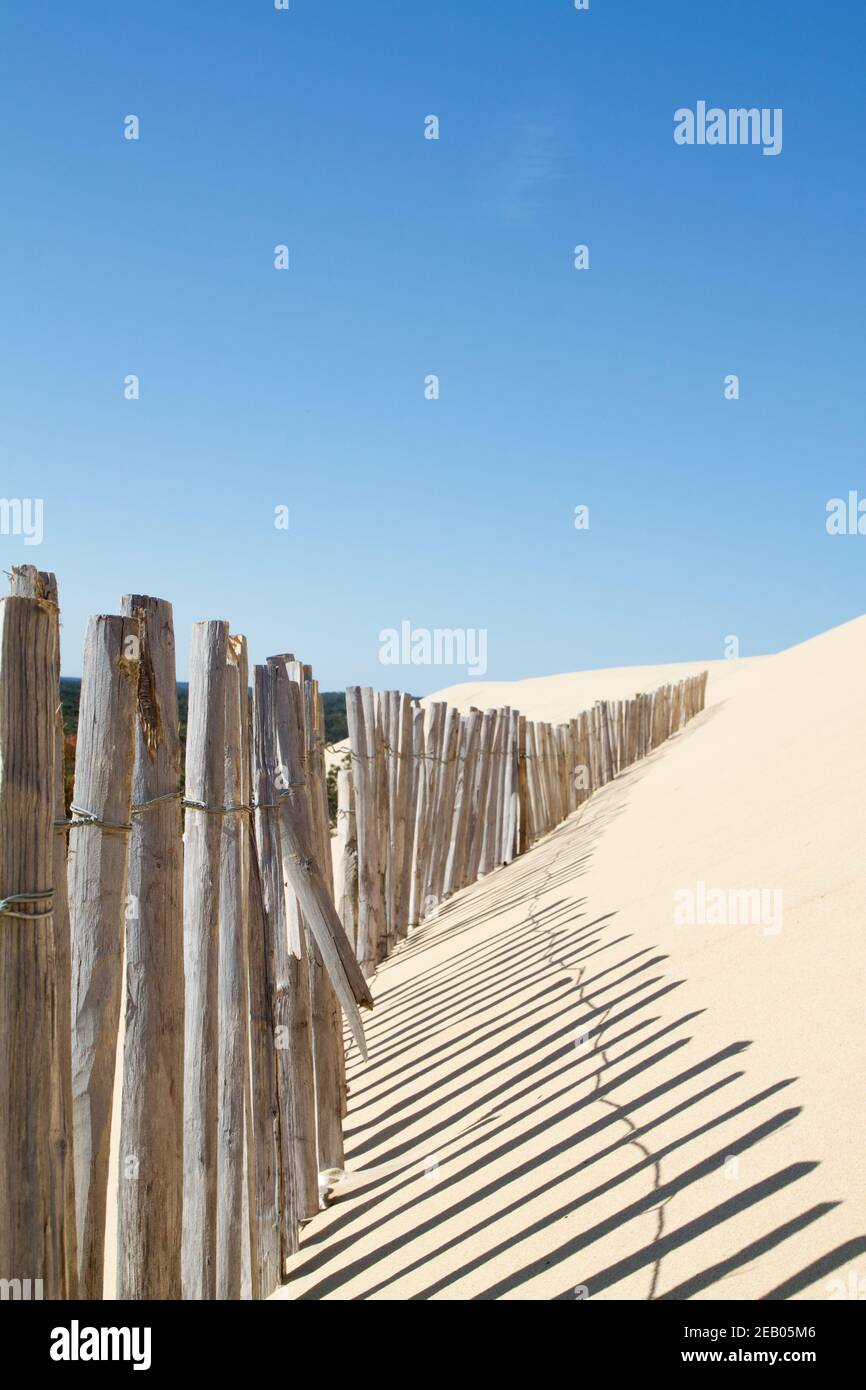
<point>569,1094</point>
<point>556,699</point>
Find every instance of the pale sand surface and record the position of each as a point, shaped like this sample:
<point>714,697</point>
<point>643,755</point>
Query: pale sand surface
<point>705,1138</point>
<point>556,699</point>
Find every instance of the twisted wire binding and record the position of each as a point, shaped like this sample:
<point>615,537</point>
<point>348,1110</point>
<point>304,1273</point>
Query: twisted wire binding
<point>401,753</point>
<point>46,896</point>
<point>281,795</point>
<point>442,762</point>
<point>140,806</point>
<point>81,817</point>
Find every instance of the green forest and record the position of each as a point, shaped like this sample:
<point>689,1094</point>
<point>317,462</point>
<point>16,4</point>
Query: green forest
<point>334,702</point>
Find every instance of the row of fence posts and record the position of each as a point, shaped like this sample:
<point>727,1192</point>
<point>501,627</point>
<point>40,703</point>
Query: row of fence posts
<point>432,800</point>
<point>208,906</point>
<point>204,912</point>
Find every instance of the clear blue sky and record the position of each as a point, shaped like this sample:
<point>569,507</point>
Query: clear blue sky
<point>409,257</point>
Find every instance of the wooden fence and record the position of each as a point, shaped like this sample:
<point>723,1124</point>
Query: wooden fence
<point>432,800</point>
<point>198,926</point>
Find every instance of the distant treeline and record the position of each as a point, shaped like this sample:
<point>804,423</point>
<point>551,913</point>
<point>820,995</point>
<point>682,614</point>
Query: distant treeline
<point>334,702</point>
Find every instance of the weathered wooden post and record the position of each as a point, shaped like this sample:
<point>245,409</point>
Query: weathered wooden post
<point>444,804</point>
<point>263,1109</point>
<point>379,811</point>
<point>299,752</point>
<point>534,798</point>
<point>261,1106</point>
<point>205,785</point>
<point>461,826</point>
<point>233,1006</point>
<point>270,779</point>
<point>581,775</point>
<point>312,1032</point>
<point>487,861</point>
<point>346,872</point>
<point>629,733</point>
<point>561,735</point>
<point>33,1188</point>
<point>480,793</point>
<point>523,814</point>
<point>27,581</point>
<point>500,795</point>
<point>407,781</point>
<point>419,758</point>
<point>598,767</point>
<point>150,1177</point>
<point>677,710</point>
<point>607,756</point>
<point>433,772</point>
<point>511,811</point>
<point>383,812</point>
<point>542,765</point>
<point>389,703</point>
<point>364,782</point>
<point>98,851</point>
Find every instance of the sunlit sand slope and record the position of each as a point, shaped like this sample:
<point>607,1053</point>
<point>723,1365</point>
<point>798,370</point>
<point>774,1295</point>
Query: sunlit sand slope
<point>573,1094</point>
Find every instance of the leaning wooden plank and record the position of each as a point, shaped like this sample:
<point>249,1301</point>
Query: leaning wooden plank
<point>305,877</point>
<point>98,849</point>
<point>29,582</point>
<point>33,1191</point>
<point>150,1179</point>
<point>205,784</point>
